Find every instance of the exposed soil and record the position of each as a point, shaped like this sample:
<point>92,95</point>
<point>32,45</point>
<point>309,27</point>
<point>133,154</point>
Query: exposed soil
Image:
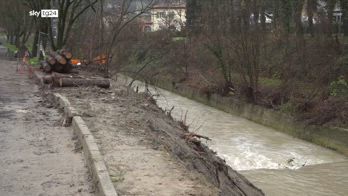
<point>146,152</point>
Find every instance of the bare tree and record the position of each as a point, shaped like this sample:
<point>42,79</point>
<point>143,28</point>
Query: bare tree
<point>121,14</point>
<point>69,11</point>
<point>14,18</point>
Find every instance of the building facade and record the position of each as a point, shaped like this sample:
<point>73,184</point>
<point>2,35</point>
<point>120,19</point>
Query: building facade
<point>163,16</point>
<point>168,17</point>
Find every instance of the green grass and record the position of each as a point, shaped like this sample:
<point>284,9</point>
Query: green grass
<point>270,82</point>
<point>34,61</point>
<point>11,47</point>
<point>263,81</point>
<point>179,39</point>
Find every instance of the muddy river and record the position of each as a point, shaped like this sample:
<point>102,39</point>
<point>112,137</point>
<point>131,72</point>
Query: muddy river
<point>275,162</point>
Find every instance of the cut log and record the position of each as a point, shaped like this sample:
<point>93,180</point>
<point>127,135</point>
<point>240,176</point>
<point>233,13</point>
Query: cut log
<point>60,75</point>
<point>68,55</point>
<point>76,82</point>
<point>67,68</point>
<point>58,68</point>
<point>50,60</point>
<point>61,60</point>
<point>57,76</point>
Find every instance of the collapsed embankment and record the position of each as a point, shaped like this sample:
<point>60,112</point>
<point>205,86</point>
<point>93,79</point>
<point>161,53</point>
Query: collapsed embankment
<point>147,152</point>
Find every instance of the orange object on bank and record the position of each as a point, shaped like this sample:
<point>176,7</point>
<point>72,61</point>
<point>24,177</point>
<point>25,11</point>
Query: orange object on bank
<point>76,61</point>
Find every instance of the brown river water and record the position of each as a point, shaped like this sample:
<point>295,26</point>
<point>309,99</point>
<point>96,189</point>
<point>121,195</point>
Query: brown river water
<point>277,163</point>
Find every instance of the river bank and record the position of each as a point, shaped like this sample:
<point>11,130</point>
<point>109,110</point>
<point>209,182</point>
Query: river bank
<point>277,163</point>
<point>146,152</point>
<point>330,137</point>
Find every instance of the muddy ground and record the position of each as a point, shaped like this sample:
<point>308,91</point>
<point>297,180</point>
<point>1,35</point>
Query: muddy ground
<point>146,152</point>
<point>37,155</point>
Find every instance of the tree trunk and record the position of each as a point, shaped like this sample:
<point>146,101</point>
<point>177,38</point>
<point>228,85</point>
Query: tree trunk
<point>17,40</point>
<point>35,44</point>
<point>310,17</point>
<point>344,7</point>
<point>76,82</point>
<point>263,18</point>
<point>298,18</point>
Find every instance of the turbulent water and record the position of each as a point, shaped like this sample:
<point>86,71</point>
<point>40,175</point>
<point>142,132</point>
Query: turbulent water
<point>275,162</point>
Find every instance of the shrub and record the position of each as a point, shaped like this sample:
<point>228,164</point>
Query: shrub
<point>339,87</point>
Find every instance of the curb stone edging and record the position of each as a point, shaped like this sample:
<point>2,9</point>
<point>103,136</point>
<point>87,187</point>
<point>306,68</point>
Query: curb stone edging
<point>68,111</point>
<point>94,159</point>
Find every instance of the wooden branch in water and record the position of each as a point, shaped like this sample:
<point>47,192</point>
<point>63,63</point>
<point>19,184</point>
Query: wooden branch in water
<point>190,136</point>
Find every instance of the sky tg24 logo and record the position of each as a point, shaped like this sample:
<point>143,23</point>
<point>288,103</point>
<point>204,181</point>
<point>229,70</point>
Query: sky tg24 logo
<point>48,13</point>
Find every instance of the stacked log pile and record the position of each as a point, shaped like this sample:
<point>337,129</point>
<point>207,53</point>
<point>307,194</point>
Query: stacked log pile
<point>61,74</point>
<point>58,61</point>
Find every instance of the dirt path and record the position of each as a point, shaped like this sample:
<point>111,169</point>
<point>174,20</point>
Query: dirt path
<point>37,155</point>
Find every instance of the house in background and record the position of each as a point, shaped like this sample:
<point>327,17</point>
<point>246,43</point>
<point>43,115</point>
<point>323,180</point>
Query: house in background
<point>165,16</point>
<point>337,14</point>
<point>321,8</point>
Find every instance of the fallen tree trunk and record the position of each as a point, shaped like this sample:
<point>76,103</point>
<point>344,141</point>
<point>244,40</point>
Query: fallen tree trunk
<point>60,75</point>
<point>76,82</point>
<point>57,76</point>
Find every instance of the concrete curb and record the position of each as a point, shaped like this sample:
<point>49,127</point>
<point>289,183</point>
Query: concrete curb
<point>68,110</point>
<point>94,159</point>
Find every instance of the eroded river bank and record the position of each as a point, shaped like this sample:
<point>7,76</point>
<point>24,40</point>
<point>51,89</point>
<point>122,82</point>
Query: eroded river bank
<point>146,152</point>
